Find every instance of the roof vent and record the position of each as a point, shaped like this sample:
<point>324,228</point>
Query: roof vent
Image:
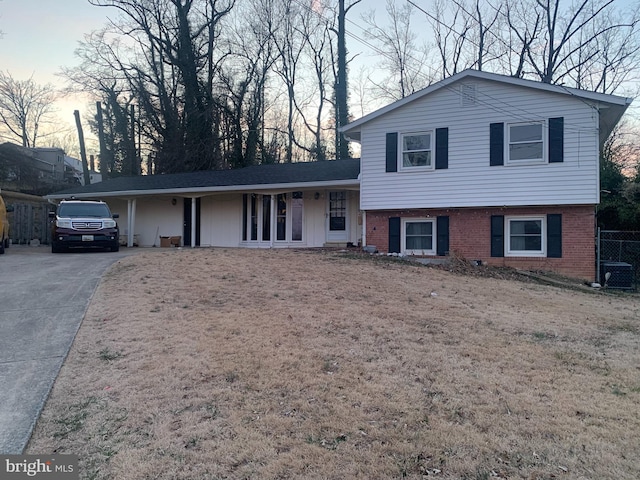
<point>468,94</point>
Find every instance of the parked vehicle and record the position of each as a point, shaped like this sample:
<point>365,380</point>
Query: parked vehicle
<point>4,226</point>
<point>83,224</point>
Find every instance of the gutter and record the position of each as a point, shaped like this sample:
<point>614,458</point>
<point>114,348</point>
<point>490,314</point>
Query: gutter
<point>204,190</point>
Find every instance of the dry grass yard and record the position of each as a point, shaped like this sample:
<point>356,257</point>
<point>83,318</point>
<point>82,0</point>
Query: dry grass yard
<point>252,364</point>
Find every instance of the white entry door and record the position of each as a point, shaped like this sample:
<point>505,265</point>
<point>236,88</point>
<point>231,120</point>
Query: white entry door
<point>338,217</point>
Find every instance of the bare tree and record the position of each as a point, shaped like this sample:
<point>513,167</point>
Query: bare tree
<point>24,107</point>
<point>402,58</point>
<point>568,44</point>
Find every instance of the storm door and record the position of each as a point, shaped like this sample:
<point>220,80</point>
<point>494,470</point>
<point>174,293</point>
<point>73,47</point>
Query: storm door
<point>337,218</point>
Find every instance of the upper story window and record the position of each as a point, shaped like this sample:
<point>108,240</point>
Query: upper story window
<point>526,143</point>
<point>416,150</point>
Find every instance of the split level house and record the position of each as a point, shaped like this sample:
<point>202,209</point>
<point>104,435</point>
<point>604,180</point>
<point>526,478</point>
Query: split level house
<point>480,166</point>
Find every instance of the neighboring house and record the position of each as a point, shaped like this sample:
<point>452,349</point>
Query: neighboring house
<point>281,205</point>
<point>489,168</point>
<point>40,169</point>
<point>73,168</point>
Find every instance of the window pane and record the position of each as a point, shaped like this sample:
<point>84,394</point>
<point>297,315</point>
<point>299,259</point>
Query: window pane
<point>418,235</point>
<point>296,219</point>
<point>525,235</point>
<point>254,219</point>
<point>416,142</point>
<point>526,133</point>
<point>421,228</point>
<point>419,243</point>
<point>533,243</point>
<point>418,159</point>
<point>337,224</point>
<point>281,217</point>
<point>530,227</point>
<point>525,151</point>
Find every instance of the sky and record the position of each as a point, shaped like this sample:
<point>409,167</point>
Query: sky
<point>40,36</point>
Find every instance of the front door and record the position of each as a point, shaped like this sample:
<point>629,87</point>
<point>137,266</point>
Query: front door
<point>186,233</point>
<point>338,221</point>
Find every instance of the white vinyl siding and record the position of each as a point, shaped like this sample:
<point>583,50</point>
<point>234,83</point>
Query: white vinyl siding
<point>469,180</point>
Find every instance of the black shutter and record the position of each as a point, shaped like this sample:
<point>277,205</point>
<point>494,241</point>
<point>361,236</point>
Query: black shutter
<point>442,227</point>
<point>392,152</point>
<point>394,234</point>
<point>497,235</point>
<point>554,235</point>
<point>442,148</point>
<point>556,140</point>
<point>496,144</point>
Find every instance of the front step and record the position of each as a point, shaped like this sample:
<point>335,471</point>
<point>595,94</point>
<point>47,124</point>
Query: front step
<point>335,245</point>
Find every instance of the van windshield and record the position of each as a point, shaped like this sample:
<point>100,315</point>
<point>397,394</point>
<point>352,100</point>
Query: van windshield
<point>92,210</point>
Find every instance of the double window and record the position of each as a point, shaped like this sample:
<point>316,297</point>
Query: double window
<point>526,143</point>
<point>418,236</point>
<point>525,236</point>
<point>416,150</point>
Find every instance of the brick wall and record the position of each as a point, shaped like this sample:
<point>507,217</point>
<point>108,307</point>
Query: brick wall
<point>470,236</point>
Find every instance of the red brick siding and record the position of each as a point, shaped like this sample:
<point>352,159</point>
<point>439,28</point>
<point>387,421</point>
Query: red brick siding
<point>470,236</point>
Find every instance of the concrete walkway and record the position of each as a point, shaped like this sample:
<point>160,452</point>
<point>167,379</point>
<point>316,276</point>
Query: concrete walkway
<point>43,298</point>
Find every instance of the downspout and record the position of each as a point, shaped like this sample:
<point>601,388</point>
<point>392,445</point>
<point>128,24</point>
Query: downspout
<point>364,228</point>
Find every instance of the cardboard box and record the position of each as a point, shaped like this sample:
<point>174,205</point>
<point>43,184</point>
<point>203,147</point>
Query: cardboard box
<point>166,242</point>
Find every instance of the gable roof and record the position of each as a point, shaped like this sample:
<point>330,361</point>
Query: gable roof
<point>258,177</point>
<point>611,107</point>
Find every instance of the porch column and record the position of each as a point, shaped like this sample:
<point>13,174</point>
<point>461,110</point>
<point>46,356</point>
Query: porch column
<point>131,220</point>
<point>274,216</point>
<point>193,222</point>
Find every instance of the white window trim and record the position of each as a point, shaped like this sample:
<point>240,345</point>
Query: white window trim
<point>425,168</point>
<point>403,236</point>
<point>525,253</point>
<point>535,161</point>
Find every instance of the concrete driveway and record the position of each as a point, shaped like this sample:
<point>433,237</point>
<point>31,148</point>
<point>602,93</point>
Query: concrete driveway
<point>43,298</point>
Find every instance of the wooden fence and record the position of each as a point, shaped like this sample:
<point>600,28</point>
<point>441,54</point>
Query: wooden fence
<point>30,218</point>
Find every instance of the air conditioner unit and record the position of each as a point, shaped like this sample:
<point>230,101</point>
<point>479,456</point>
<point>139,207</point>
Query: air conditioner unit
<point>621,275</point>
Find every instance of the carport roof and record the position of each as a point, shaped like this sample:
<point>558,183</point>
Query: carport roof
<point>258,177</point>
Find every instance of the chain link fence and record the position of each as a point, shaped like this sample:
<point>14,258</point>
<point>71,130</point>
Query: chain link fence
<point>619,255</point>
